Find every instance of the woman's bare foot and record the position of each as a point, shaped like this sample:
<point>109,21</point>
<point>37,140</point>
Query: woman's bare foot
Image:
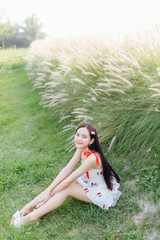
<point>16,220</point>
<point>18,217</point>
<point>19,221</point>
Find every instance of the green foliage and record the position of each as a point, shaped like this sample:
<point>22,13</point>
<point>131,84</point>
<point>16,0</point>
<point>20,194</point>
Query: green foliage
<point>11,59</point>
<point>17,36</point>
<point>114,85</point>
<point>147,179</point>
<point>32,28</point>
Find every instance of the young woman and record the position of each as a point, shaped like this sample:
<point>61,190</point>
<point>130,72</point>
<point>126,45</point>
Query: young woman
<point>94,181</point>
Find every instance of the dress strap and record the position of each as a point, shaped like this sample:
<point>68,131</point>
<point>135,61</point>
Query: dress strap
<point>97,160</point>
<point>89,153</point>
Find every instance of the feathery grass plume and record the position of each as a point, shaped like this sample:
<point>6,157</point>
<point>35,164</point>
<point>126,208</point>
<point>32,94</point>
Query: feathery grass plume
<point>62,117</point>
<point>77,80</point>
<point>154,87</point>
<point>111,144</point>
<point>107,83</point>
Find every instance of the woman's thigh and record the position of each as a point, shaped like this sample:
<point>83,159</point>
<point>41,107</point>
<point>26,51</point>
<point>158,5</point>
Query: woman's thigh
<point>75,190</point>
<point>76,182</point>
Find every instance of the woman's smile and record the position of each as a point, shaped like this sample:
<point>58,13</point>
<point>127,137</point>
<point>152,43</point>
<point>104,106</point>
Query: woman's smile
<point>79,142</point>
<point>82,138</point>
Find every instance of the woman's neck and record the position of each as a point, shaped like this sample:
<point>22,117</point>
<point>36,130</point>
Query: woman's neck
<point>85,150</point>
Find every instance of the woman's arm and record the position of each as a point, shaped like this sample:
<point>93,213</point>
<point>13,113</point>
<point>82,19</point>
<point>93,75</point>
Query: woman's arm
<point>65,171</point>
<point>88,164</point>
<point>46,194</point>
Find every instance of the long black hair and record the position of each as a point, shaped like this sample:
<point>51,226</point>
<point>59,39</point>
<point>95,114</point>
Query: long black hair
<point>108,171</point>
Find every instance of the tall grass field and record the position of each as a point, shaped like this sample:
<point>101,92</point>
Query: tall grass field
<point>46,91</point>
<point>114,85</point>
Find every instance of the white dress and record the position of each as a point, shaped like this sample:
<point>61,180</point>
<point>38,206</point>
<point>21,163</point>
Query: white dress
<point>96,189</point>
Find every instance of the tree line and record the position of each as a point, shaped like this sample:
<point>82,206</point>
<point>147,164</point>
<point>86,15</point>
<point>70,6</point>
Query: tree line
<point>13,35</point>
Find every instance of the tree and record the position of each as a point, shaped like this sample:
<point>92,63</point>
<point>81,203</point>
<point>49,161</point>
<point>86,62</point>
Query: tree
<point>12,35</point>
<point>32,28</point>
<point>3,31</point>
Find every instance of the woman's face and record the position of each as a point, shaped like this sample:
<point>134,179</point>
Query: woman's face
<point>82,138</point>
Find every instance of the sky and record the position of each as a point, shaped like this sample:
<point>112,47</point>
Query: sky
<point>66,18</point>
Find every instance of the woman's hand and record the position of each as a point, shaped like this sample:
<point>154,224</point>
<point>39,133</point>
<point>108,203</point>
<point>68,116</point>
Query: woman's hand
<point>43,199</point>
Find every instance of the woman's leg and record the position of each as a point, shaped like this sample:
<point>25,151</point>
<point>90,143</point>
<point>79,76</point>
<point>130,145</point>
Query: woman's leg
<point>73,190</point>
<point>29,206</point>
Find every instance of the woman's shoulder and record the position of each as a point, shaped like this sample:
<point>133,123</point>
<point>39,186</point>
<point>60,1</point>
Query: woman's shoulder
<point>97,153</point>
<point>98,158</point>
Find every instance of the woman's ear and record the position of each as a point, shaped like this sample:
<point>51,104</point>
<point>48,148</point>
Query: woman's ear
<point>91,141</point>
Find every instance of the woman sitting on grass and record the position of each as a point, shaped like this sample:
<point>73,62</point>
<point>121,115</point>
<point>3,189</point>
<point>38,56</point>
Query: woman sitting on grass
<point>94,181</point>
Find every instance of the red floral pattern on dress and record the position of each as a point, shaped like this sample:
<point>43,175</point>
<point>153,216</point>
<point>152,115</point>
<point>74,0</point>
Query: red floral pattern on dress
<point>95,184</point>
<point>86,190</point>
<point>99,194</point>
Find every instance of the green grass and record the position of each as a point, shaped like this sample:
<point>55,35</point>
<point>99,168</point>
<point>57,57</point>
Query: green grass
<point>32,154</point>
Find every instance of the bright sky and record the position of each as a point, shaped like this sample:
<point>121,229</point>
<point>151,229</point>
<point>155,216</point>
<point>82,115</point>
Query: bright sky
<point>65,18</point>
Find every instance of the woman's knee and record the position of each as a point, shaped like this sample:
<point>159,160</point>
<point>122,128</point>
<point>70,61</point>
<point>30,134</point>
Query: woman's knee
<point>64,193</point>
<point>68,190</point>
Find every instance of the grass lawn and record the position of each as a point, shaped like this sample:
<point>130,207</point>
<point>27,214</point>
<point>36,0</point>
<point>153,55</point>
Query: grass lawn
<point>32,154</point>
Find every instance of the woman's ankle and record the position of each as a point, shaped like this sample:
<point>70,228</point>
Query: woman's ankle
<point>24,212</point>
